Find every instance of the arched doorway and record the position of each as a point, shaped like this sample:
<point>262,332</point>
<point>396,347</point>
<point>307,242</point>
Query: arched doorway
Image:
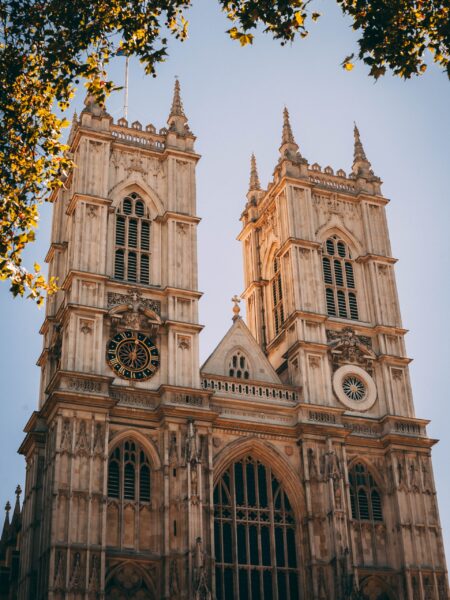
<point>254,534</point>
<point>128,582</point>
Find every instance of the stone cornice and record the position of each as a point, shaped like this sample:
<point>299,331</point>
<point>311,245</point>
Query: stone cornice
<point>298,242</point>
<point>88,198</point>
<point>55,247</point>
<point>177,217</point>
<point>377,258</point>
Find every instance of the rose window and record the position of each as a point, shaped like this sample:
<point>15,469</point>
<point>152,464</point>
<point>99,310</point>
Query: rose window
<point>354,388</point>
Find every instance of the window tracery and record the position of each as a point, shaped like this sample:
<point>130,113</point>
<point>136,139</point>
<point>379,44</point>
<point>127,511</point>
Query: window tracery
<point>132,241</point>
<point>365,497</point>
<point>239,366</point>
<point>254,529</point>
<point>339,279</point>
<point>129,473</point>
<point>277,297</point>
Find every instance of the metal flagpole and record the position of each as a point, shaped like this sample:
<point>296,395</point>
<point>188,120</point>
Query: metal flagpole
<point>125,99</point>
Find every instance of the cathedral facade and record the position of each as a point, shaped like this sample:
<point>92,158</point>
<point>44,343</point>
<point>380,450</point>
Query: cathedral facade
<point>290,465</point>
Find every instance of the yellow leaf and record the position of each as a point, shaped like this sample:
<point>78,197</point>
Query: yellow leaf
<point>348,66</point>
<point>299,18</point>
<point>37,267</point>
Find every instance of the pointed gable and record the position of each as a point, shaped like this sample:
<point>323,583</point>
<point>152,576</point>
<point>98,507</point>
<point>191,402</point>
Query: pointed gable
<point>238,342</point>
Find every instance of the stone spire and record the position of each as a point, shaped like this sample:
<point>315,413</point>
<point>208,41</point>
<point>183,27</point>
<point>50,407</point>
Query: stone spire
<point>361,166</point>
<point>5,531</point>
<point>177,120</point>
<point>17,505</point>
<point>289,148</point>
<point>254,178</point>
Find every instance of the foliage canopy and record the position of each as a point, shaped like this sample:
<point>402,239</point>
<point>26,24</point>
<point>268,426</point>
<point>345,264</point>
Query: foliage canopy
<point>46,46</point>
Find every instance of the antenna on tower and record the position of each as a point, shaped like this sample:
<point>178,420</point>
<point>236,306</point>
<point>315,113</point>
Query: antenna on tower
<point>125,93</point>
<point>121,52</point>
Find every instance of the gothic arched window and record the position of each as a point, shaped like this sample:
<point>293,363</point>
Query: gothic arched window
<point>365,496</point>
<point>132,241</point>
<point>339,279</point>
<point>129,473</point>
<point>277,297</point>
<point>254,533</point>
<point>239,366</point>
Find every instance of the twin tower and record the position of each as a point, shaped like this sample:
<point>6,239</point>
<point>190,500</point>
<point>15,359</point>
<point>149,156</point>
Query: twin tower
<point>291,464</point>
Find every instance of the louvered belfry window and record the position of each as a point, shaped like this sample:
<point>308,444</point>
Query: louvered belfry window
<point>129,473</point>
<point>277,297</point>
<point>132,241</point>
<point>339,279</point>
<point>365,496</point>
<point>254,535</point>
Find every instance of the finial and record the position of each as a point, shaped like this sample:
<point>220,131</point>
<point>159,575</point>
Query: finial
<point>177,105</point>
<point>254,179</point>
<point>289,148</point>
<point>361,166</point>
<point>236,309</point>
<point>17,506</point>
<point>7,507</point>
<point>287,137</point>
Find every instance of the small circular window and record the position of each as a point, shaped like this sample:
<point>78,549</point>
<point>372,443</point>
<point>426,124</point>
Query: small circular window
<point>354,388</point>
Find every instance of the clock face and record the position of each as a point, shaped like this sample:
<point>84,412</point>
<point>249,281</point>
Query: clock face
<point>132,355</point>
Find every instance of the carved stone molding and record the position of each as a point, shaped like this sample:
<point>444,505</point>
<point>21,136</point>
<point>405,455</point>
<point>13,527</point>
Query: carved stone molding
<point>116,299</point>
<point>347,347</point>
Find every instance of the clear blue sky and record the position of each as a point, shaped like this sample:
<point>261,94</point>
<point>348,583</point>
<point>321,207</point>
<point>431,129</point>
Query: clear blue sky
<point>234,98</point>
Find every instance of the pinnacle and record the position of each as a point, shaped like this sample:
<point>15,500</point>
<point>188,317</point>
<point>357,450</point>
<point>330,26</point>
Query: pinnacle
<point>360,163</point>
<point>177,105</point>
<point>287,136</point>
<point>289,148</point>
<point>254,178</point>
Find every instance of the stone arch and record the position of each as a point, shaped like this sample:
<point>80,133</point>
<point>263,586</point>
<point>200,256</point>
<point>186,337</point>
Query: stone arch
<point>371,468</point>
<point>375,588</point>
<point>139,186</point>
<point>148,445</point>
<point>268,258</point>
<point>335,227</point>
<point>130,579</point>
<point>268,455</point>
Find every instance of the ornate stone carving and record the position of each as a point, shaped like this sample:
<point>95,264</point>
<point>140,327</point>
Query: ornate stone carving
<point>75,578</point>
<point>184,342</point>
<point>174,587</point>
<point>91,210</point>
<point>191,454</point>
<point>201,588</point>
<point>173,448</point>
<point>99,437</point>
<point>66,436</point>
<point>59,580</point>
<point>85,385</point>
<point>94,578</point>
<point>312,465</point>
<point>86,326</point>
<point>346,347</point>
<point>116,299</point>
<point>82,444</point>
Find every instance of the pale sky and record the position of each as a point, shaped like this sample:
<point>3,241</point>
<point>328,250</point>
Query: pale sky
<point>234,98</point>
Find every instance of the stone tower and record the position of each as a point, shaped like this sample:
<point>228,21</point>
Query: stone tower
<point>322,303</point>
<point>120,372</point>
<point>291,464</point>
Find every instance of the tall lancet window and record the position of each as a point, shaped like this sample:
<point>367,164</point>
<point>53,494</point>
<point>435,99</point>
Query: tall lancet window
<point>339,279</point>
<point>365,496</point>
<point>254,535</point>
<point>277,297</point>
<point>132,241</point>
<point>129,473</point>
